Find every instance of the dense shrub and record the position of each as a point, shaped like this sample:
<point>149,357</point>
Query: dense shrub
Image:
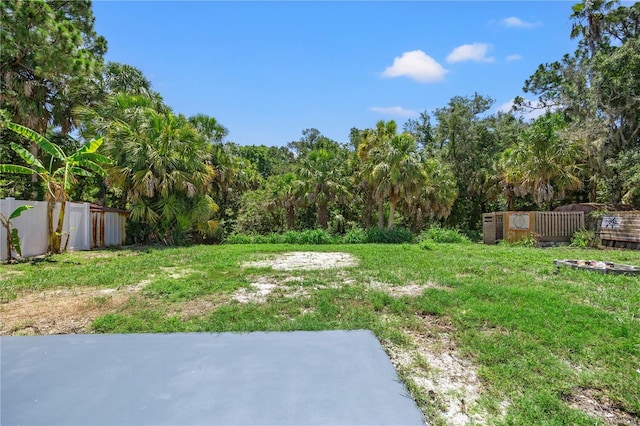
<point>444,235</point>
<point>310,236</point>
<point>320,236</point>
<point>240,239</point>
<point>389,236</point>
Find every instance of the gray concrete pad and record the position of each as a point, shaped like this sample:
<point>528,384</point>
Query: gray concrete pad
<point>301,378</point>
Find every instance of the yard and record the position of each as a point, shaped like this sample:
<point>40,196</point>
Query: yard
<point>484,334</point>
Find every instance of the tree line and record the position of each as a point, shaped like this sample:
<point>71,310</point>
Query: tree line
<point>182,182</point>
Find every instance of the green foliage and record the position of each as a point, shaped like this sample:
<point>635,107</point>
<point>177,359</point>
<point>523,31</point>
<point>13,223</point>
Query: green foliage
<point>355,235</point>
<point>598,88</point>
<point>161,166</point>
<point>239,239</point>
<point>544,163</point>
<point>51,58</point>
<point>529,241</point>
<point>13,238</point>
<point>426,244</point>
<point>309,236</point>
<point>584,239</point>
<point>444,235</point>
<point>389,236</point>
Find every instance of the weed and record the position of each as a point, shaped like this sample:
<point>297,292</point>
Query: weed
<point>584,239</point>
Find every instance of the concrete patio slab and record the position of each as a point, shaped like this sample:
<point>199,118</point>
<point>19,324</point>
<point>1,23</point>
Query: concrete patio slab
<point>301,378</point>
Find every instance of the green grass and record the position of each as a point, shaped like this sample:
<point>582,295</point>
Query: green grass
<point>536,333</point>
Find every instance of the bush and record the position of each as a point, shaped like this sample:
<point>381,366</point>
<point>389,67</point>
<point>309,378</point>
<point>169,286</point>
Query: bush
<point>473,235</point>
<point>321,236</point>
<point>240,239</point>
<point>389,236</point>
<point>355,236</point>
<point>584,239</point>
<point>444,235</point>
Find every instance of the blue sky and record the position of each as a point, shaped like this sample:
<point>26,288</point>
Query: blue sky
<point>268,70</point>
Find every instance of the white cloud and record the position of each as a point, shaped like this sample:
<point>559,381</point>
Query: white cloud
<point>416,65</point>
<point>515,57</point>
<point>515,22</point>
<point>395,111</point>
<point>470,52</point>
<point>530,114</point>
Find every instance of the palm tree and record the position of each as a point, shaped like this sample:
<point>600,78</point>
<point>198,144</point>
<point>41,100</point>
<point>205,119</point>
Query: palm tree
<point>161,165</point>
<point>373,141</point>
<point>60,175</point>
<point>323,181</point>
<point>435,196</point>
<point>543,163</point>
<point>286,191</point>
<point>397,171</point>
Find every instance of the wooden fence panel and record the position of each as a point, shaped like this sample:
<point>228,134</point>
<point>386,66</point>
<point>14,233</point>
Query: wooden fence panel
<point>557,226</point>
<point>621,229</point>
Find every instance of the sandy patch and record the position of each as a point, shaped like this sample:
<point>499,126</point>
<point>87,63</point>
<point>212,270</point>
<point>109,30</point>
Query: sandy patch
<point>434,365</point>
<point>307,261</point>
<point>62,311</point>
<point>262,287</point>
<point>411,290</point>
<point>176,273</point>
<point>596,404</point>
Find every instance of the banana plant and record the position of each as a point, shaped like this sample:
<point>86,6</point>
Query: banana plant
<point>13,239</point>
<point>61,174</point>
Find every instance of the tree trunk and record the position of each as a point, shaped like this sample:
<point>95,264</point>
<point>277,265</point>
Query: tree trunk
<point>57,237</point>
<point>291,218</point>
<point>593,189</point>
<point>392,210</point>
<point>8,228</point>
<point>368,213</point>
<point>369,207</point>
<point>323,215</point>
<point>34,177</point>
<point>51,205</point>
<point>381,214</point>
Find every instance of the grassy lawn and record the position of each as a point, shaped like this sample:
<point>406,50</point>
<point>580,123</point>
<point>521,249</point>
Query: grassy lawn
<point>538,345</point>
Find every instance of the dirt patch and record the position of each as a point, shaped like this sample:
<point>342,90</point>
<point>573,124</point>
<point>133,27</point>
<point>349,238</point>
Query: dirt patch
<point>176,273</point>
<point>63,311</point>
<point>411,290</point>
<point>9,273</point>
<point>300,260</point>
<point>262,287</point>
<point>433,364</point>
<point>197,307</point>
<point>596,404</point>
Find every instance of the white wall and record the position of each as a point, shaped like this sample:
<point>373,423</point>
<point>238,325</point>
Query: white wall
<point>33,228</point>
<point>31,225</point>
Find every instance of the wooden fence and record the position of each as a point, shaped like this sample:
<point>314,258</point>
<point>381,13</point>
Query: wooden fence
<point>556,227</point>
<point>621,229</point>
